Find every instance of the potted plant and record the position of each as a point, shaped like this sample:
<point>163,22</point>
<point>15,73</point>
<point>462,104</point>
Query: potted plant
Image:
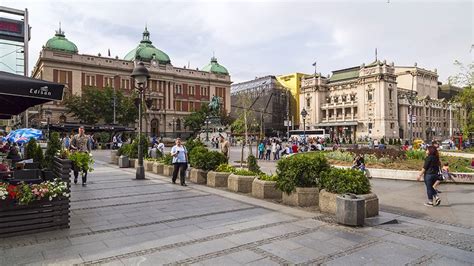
<point>148,164</point>
<point>62,165</point>
<point>158,165</point>
<point>124,153</point>
<point>202,160</point>
<point>264,187</point>
<point>168,167</point>
<point>218,178</point>
<point>82,160</point>
<point>337,181</point>
<point>297,177</point>
<point>54,146</point>
<point>241,181</point>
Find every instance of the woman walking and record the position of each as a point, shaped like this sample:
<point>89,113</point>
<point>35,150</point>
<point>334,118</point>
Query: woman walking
<point>180,162</point>
<point>430,172</point>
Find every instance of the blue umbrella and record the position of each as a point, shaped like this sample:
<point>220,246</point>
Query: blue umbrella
<point>23,135</point>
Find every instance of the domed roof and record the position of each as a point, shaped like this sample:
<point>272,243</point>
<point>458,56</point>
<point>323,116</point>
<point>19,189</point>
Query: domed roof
<point>214,67</point>
<point>145,51</point>
<point>60,43</point>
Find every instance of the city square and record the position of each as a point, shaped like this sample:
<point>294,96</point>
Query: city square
<point>285,138</point>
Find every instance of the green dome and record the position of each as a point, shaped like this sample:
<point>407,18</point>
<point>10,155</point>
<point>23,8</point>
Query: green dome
<point>145,51</point>
<point>60,43</point>
<point>214,67</point>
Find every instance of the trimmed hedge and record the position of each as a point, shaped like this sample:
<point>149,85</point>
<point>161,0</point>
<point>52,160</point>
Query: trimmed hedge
<point>202,158</point>
<point>300,170</point>
<point>341,181</point>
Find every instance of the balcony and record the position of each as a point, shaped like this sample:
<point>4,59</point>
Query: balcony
<point>339,104</point>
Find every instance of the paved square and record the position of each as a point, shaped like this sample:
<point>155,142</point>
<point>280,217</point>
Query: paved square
<point>116,220</point>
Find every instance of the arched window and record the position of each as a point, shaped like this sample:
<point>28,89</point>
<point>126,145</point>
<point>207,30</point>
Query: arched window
<point>154,127</point>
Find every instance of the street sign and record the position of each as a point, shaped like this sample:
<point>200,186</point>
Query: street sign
<point>413,118</point>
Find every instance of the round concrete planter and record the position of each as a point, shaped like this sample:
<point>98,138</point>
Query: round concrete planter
<point>217,179</point>
<point>123,162</point>
<point>168,170</point>
<point>265,189</point>
<point>240,183</point>
<point>327,203</point>
<point>148,165</point>
<point>302,197</point>
<point>158,168</point>
<point>198,176</point>
<point>113,156</point>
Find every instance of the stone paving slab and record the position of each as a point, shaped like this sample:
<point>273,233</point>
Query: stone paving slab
<point>112,224</point>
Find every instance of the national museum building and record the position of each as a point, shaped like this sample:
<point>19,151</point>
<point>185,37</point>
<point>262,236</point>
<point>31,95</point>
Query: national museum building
<point>374,100</point>
<point>175,92</point>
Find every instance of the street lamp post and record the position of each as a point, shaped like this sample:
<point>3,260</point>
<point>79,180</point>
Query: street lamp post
<point>140,74</point>
<point>207,128</point>
<point>304,114</point>
<point>410,108</point>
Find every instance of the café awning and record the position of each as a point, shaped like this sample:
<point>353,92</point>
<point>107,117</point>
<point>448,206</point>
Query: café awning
<point>18,93</point>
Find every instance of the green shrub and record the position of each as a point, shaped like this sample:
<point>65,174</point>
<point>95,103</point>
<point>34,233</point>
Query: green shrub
<point>340,156</point>
<point>124,150</point>
<point>415,154</point>
<point>191,144</point>
<point>33,151</point>
<point>390,142</point>
<point>103,137</point>
<point>225,168</point>
<point>167,159</point>
<point>195,153</point>
<point>342,181</point>
<point>244,172</point>
<point>265,177</point>
<point>54,145</point>
<point>82,160</point>
<point>201,158</point>
<point>302,170</point>
<point>252,164</point>
<point>133,153</point>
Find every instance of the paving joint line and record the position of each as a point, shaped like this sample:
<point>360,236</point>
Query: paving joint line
<point>420,217</point>
<point>46,240</point>
<point>269,255</point>
<point>106,188</point>
<point>130,195</point>
<point>139,202</point>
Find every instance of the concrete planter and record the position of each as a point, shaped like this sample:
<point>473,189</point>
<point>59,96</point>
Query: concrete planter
<point>148,165</point>
<point>158,168</point>
<point>265,189</point>
<point>217,179</point>
<point>123,162</point>
<point>240,183</point>
<point>168,170</point>
<point>198,176</point>
<point>327,203</point>
<point>132,162</point>
<point>302,197</point>
<point>114,156</point>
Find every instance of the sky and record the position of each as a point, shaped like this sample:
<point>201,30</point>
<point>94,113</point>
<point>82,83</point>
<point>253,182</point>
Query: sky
<point>257,38</point>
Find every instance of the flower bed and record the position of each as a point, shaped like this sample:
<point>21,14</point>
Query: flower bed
<point>28,208</point>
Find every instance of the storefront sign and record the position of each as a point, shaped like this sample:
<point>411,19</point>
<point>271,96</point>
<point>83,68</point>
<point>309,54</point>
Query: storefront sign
<point>12,30</point>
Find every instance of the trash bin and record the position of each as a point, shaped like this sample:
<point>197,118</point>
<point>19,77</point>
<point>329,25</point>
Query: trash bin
<point>123,161</point>
<point>350,210</point>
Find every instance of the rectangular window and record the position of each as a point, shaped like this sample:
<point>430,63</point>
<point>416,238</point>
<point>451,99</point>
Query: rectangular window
<point>191,106</point>
<point>160,104</point>
<point>191,90</point>
<point>392,125</point>
<point>390,94</point>
<point>178,89</point>
<point>178,106</point>
<point>369,95</point>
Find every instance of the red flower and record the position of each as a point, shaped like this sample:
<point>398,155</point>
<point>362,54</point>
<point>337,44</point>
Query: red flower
<point>12,191</point>
<point>3,167</point>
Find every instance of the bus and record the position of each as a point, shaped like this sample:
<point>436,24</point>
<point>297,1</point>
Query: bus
<point>313,133</point>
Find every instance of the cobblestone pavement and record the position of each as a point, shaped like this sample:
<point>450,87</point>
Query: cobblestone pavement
<point>116,220</point>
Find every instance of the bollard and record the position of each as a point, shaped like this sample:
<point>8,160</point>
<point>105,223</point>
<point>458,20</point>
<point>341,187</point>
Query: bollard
<point>350,210</point>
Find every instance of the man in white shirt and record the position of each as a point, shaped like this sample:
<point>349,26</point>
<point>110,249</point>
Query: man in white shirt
<point>180,162</point>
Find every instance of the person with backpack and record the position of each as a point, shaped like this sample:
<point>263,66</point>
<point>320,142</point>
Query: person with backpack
<point>430,173</point>
<point>180,162</point>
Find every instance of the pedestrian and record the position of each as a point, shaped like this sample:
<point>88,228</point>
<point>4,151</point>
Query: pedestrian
<point>294,148</point>
<point>180,162</point>
<point>114,142</point>
<point>225,146</point>
<point>66,142</point>
<point>274,150</point>
<point>161,147</point>
<point>261,148</point>
<point>278,151</point>
<point>430,173</point>
<point>80,143</point>
<point>268,149</point>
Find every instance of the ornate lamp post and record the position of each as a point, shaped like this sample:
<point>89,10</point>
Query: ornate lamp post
<point>304,114</point>
<point>140,74</point>
<point>207,128</point>
<point>48,120</point>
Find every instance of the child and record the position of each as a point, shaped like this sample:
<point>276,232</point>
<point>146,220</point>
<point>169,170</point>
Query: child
<point>445,174</point>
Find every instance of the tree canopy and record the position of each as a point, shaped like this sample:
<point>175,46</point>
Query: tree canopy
<point>97,105</point>
<point>465,79</point>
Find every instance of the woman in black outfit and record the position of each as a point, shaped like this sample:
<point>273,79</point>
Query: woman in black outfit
<point>430,172</point>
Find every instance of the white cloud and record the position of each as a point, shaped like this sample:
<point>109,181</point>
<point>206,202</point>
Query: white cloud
<point>254,38</point>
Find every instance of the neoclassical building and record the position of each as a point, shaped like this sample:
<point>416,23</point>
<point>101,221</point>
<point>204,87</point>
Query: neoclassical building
<point>373,101</point>
<point>175,92</point>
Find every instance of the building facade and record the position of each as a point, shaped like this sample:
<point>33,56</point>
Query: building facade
<point>373,101</point>
<point>292,82</point>
<point>174,92</point>
<point>268,101</point>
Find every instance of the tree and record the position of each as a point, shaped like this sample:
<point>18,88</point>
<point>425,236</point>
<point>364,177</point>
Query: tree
<point>97,105</point>
<point>195,120</point>
<point>465,79</point>
<point>54,145</point>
